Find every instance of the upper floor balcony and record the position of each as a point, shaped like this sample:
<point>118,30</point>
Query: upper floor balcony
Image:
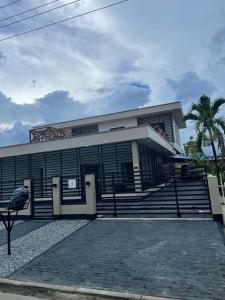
<point>48,133</point>
<point>165,119</point>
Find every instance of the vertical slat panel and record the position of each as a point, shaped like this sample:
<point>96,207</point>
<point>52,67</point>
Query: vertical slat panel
<point>52,164</point>
<point>8,177</point>
<point>22,167</point>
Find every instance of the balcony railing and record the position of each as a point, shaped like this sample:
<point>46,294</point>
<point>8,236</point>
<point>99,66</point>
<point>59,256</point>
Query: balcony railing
<point>48,134</point>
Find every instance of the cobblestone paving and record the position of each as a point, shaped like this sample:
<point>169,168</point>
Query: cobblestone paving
<point>35,242</point>
<point>178,259</point>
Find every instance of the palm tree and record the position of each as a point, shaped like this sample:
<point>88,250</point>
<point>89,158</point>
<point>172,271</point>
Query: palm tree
<point>208,125</point>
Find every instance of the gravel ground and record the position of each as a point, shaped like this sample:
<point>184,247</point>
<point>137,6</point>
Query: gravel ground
<point>31,245</point>
<point>22,229</point>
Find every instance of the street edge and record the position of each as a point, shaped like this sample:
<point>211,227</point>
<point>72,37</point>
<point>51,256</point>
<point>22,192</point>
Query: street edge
<point>13,286</point>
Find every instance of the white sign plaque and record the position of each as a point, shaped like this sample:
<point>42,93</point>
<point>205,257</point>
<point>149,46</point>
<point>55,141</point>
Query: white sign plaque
<point>72,183</point>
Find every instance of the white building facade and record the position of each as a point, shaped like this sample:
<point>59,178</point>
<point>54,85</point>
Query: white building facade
<point>139,140</point>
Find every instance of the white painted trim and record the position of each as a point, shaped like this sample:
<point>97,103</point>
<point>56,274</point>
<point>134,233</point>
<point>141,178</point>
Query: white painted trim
<point>42,199</point>
<point>71,197</point>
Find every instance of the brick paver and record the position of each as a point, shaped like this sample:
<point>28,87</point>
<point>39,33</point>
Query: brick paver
<point>179,259</point>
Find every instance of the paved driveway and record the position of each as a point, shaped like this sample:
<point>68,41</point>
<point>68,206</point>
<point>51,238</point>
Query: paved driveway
<point>179,259</point>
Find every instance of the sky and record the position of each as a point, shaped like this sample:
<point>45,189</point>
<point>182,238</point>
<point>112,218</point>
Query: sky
<point>139,53</point>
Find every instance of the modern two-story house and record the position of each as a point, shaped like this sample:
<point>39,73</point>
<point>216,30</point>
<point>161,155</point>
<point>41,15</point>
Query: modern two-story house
<point>123,142</point>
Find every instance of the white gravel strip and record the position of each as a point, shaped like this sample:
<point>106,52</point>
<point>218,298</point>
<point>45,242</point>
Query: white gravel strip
<point>16,223</point>
<point>29,246</point>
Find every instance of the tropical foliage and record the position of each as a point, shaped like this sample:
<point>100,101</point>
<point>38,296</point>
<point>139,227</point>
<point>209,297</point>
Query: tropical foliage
<point>191,149</point>
<point>210,127</point>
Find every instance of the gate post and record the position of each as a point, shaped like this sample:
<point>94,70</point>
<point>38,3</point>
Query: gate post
<point>215,198</point>
<point>176,192</point>
<point>136,167</point>
<point>114,197</point>
<point>90,192</point>
<point>28,184</point>
<point>56,196</point>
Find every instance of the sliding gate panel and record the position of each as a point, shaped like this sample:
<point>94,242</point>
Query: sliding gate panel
<point>142,193</point>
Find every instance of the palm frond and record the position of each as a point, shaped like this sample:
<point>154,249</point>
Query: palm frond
<point>199,126</point>
<point>218,137</point>
<point>216,105</point>
<point>191,117</point>
<point>204,102</point>
<point>220,122</point>
<point>199,140</point>
<point>195,107</point>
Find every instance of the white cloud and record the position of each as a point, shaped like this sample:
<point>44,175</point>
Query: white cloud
<point>61,106</point>
<point>96,57</point>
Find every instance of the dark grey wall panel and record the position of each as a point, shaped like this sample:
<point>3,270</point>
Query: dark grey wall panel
<point>8,182</point>
<point>151,162</point>
<point>37,163</point>
<point>70,162</point>
<point>22,167</point>
<point>89,156</point>
<point>8,168</point>
<point>113,155</point>
<point>41,167</point>
<point>52,164</point>
<point>109,158</point>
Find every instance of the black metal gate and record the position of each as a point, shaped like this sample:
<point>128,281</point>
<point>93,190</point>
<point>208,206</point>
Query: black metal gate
<point>42,203</point>
<point>75,194</point>
<point>174,191</point>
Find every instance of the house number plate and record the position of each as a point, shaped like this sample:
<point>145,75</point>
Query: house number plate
<point>72,183</point>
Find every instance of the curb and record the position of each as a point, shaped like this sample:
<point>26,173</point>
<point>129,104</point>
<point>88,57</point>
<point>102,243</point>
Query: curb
<point>154,219</point>
<point>43,289</point>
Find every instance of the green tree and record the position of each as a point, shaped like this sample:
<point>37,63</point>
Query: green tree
<point>191,149</point>
<point>209,126</point>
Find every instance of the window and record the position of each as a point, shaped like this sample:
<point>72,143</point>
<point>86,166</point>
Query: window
<point>117,128</point>
<point>84,130</point>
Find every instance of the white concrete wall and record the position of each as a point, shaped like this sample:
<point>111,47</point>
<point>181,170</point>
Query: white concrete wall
<point>136,165</point>
<point>105,126</point>
<point>214,195</point>
<point>88,209</point>
<point>56,194</point>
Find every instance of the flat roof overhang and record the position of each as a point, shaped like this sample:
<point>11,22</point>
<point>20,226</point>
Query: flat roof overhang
<point>174,108</point>
<point>144,134</point>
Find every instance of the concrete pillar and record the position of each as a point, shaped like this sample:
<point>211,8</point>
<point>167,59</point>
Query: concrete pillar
<point>90,191</point>
<point>136,166</point>
<point>215,198</point>
<point>56,196</point>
